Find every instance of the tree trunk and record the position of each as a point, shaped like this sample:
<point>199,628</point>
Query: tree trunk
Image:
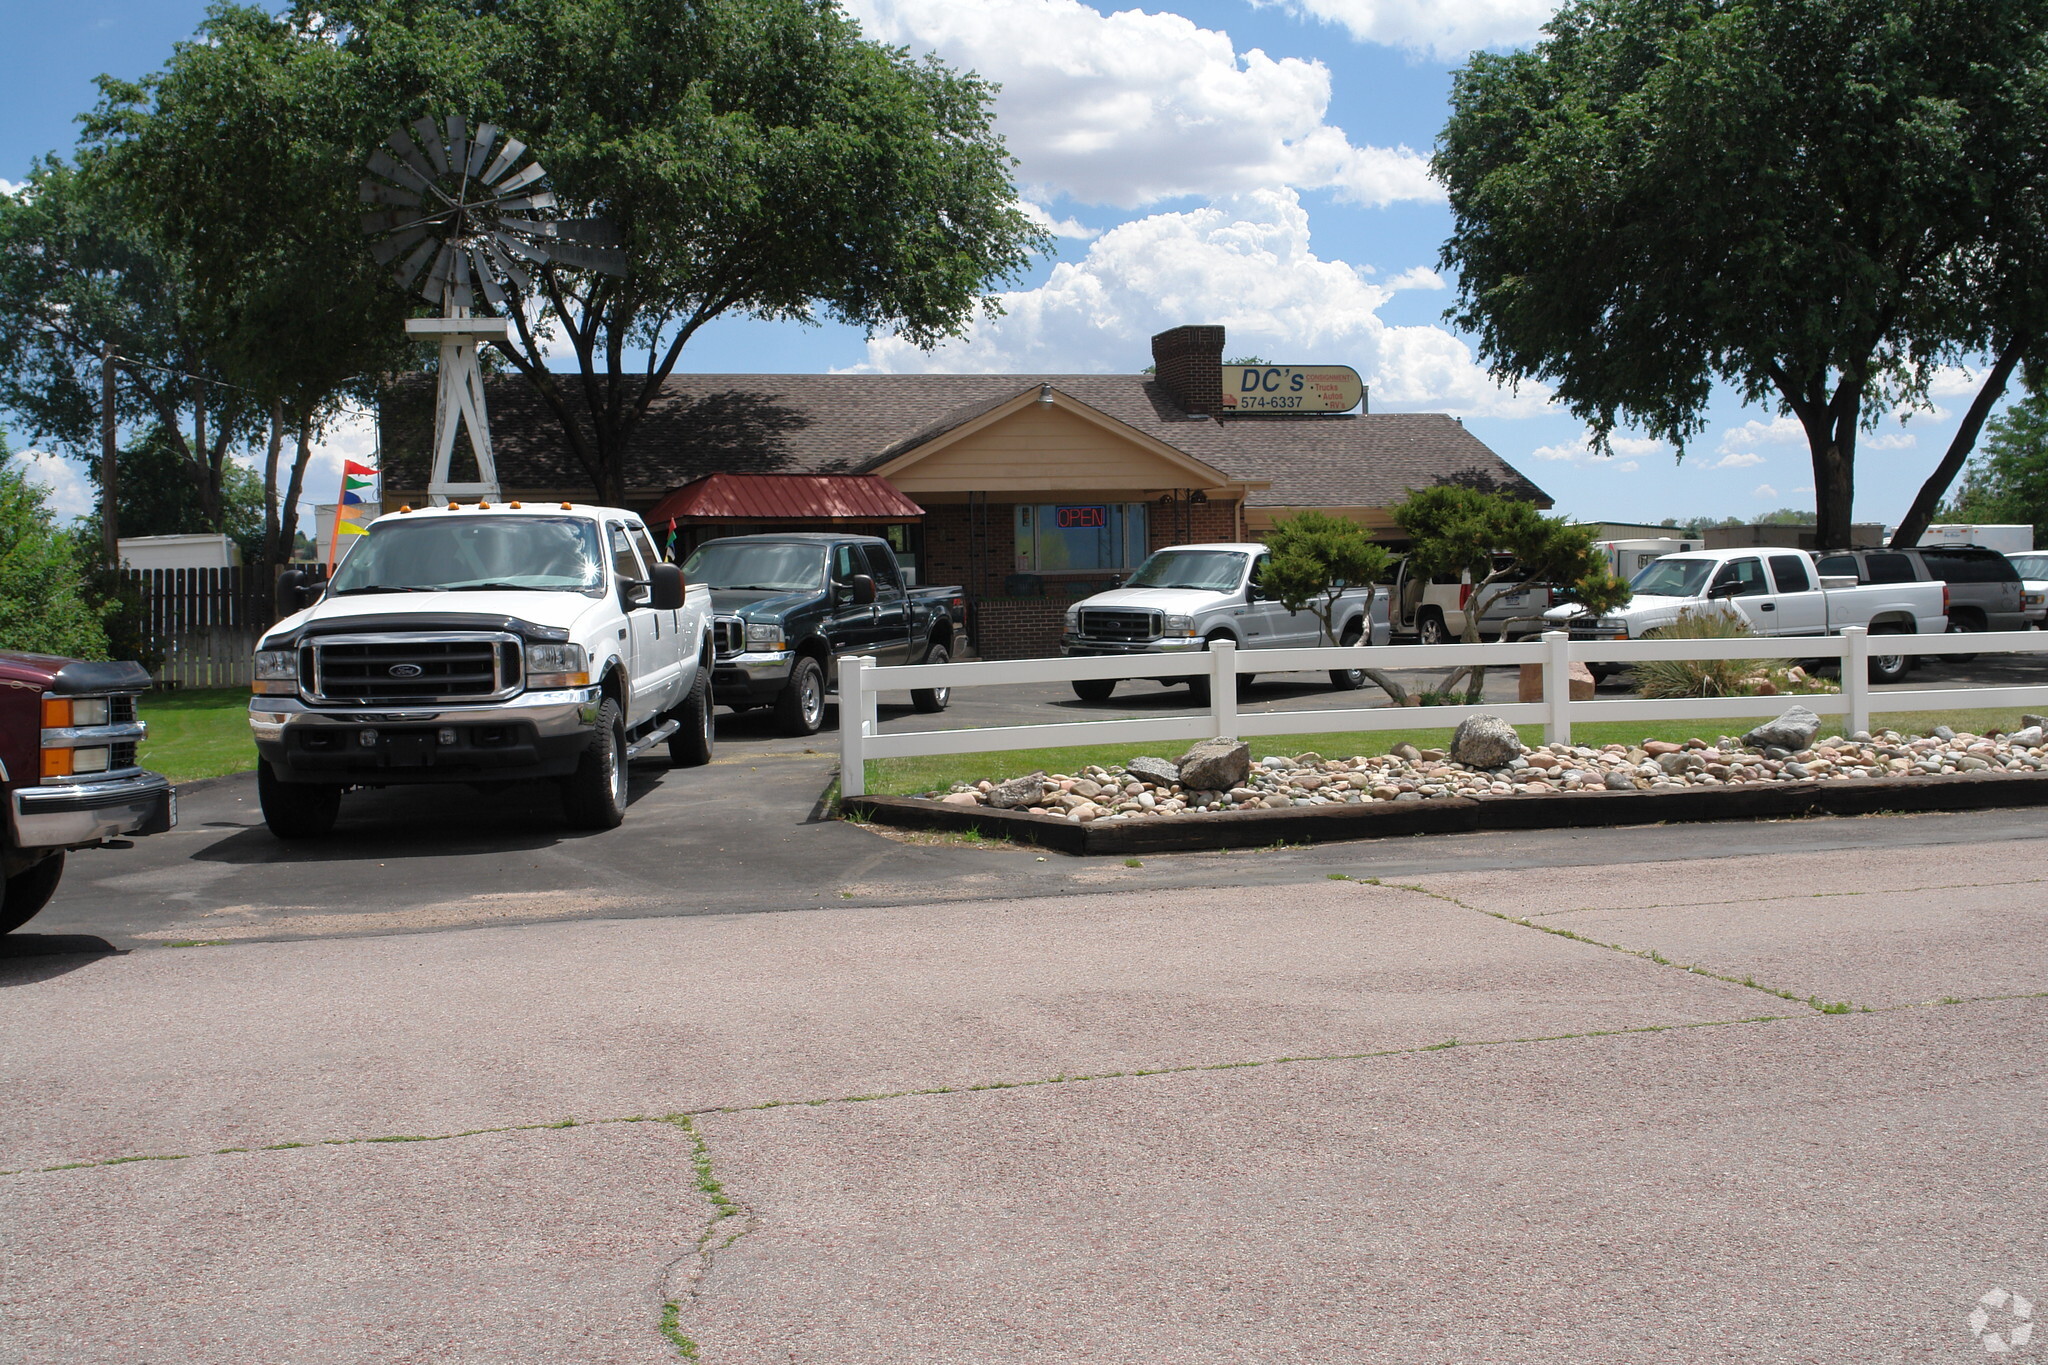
<point>288,514</point>
<point>1831,437</point>
<point>1928,501</point>
<point>270,454</point>
<point>110,468</point>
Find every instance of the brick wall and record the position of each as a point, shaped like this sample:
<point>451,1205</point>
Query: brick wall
<point>1018,627</point>
<point>1193,524</point>
<point>1188,362</point>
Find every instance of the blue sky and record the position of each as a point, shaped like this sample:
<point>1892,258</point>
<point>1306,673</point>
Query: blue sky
<point>1257,165</point>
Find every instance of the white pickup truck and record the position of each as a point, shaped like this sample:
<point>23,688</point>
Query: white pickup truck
<point>1779,592</point>
<point>1184,597</point>
<point>492,642</point>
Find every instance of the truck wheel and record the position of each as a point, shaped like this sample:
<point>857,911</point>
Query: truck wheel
<point>1888,668</point>
<point>930,699</point>
<point>594,796</point>
<point>1963,625</point>
<point>690,746</point>
<point>1429,630</point>
<point>296,810</point>
<point>1349,679</point>
<point>28,891</point>
<point>800,709</point>
<point>1094,689</point>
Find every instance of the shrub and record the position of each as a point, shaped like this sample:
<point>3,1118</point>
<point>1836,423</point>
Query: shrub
<point>1700,677</point>
<point>44,601</point>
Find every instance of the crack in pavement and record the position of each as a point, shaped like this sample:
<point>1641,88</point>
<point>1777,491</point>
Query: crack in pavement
<point>1804,895</point>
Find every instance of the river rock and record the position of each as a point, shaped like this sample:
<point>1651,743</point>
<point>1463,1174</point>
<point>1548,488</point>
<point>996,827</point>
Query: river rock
<point>1619,780</point>
<point>1406,752</point>
<point>961,799</point>
<point>1216,765</point>
<point>1793,730</point>
<point>1485,742</point>
<point>2025,739</point>
<point>1154,770</point>
<point>1019,793</point>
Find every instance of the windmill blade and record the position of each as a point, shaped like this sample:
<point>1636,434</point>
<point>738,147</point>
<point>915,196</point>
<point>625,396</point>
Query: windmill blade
<point>437,278</point>
<point>480,256</point>
<point>458,144</point>
<point>411,156</point>
<point>430,143</point>
<point>410,270</point>
<point>589,231</point>
<point>587,257</point>
<point>377,192</point>
<point>387,250</point>
<point>523,250</point>
<point>514,272</point>
<point>544,200</point>
<point>382,163</point>
<point>462,294</point>
<point>519,179</point>
<point>512,151</point>
<point>389,220</point>
<point>479,149</point>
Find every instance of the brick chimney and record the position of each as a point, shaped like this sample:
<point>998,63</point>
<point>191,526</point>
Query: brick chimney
<point>1189,364</point>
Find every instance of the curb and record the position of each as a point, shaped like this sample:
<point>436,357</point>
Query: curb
<point>1465,814</point>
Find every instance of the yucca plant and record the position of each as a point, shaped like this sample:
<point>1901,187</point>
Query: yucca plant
<point>1700,677</point>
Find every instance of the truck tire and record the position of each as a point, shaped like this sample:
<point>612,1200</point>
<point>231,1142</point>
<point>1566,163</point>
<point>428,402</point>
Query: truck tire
<point>1349,679</point>
<point>1966,624</point>
<point>1887,668</point>
<point>930,699</point>
<point>296,810</point>
<point>800,707</point>
<point>594,796</point>
<point>690,746</point>
<point>28,891</point>
<point>1094,689</point>
<point>1429,628</point>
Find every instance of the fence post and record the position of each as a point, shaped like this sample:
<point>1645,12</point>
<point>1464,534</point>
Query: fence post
<point>1557,687</point>
<point>1223,688</point>
<point>1856,676</point>
<point>853,768</point>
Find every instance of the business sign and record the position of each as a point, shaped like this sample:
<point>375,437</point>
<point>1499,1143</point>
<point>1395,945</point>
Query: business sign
<point>1291,388</point>
<point>1080,518</point>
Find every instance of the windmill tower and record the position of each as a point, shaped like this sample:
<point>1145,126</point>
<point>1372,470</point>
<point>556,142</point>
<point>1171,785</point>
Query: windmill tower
<point>456,219</point>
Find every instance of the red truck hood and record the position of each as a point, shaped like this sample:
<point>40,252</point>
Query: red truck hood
<point>69,677</point>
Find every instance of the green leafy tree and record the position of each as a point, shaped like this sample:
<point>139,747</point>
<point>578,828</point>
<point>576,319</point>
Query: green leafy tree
<point>155,498</point>
<point>758,157</point>
<point>45,605</point>
<point>1497,544</point>
<point>1818,202</point>
<point>2009,482</point>
<point>1315,558</point>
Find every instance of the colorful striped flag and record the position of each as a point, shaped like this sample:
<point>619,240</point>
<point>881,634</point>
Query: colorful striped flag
<point>357,481</point>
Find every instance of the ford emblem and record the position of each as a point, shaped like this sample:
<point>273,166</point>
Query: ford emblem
<point>405,670</point>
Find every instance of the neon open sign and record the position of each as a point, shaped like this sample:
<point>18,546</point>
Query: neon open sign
<point>1080,518</point>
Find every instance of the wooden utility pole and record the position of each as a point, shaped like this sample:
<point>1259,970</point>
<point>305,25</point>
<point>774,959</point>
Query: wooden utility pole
<point>110,477</point>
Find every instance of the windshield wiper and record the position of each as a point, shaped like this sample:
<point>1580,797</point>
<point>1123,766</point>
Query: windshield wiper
<point>379,587</point>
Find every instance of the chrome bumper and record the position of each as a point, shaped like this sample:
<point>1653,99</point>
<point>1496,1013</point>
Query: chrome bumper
<point>81,813</point>
<point>1076,646</point>
<point>760,663</point>
<point>553,715</point>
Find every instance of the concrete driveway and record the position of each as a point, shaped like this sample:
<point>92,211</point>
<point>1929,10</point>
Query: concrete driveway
<point>1663,1098</point>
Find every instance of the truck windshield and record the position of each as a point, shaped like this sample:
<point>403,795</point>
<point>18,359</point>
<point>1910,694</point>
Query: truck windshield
<point>1672,577</point>
<point>760,566</point>
<point>1212,570</point>
<point>443,554</point>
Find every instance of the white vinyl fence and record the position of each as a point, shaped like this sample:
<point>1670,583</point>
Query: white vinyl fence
<point>861,739</point>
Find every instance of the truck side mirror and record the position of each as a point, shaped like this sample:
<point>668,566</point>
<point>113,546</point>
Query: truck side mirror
<point>863,589</point>
<point>1720,590</point>
<point>665,590</point>
<point>296,590</point>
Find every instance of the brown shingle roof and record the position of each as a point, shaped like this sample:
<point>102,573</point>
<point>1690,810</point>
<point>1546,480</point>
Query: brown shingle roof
<point>847,423</point>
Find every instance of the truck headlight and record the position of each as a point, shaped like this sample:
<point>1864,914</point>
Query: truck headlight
<point>277,672</point>
<point>1177,625</point>
<point>768,637</point>
<point>1073,620</point>
<point>557,666</point>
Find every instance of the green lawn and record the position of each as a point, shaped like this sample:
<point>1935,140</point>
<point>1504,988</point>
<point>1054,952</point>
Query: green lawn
<point>906,776</point>
<point>197,734</point>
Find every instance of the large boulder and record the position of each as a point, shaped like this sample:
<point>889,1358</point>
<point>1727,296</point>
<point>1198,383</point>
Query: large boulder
<point>1794,731</point>
<point>1018,792</point>
<point>1157,771</point>
<point>1485,742</point>
<point>1215,765</point>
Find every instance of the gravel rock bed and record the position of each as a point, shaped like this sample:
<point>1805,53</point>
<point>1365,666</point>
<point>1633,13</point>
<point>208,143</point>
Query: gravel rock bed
<point>1112,793</point>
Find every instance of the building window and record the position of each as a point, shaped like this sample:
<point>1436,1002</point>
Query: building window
<point>1080,536</point>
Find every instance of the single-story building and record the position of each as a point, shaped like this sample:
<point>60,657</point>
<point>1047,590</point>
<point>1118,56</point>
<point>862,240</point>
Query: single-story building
<point>1027,490</point>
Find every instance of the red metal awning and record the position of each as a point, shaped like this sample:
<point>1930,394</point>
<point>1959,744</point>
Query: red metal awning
<point>785,497</point>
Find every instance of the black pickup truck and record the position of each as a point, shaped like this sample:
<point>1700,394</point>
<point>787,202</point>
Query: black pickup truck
<point>785,607</point>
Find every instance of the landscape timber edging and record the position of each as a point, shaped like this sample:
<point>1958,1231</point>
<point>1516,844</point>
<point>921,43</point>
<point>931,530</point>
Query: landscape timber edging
<point>1464,814</point>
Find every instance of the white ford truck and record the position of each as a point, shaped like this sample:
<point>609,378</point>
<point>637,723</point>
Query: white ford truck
<point>1778,592</point>
<point>1184,597</point>
<point>482,643</point>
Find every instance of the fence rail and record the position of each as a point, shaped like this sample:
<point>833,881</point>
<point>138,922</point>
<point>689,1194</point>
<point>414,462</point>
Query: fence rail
<point>860,680</point>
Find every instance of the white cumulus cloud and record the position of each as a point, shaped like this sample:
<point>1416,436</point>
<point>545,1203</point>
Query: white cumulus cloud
<point>1763,490</point>
<point>1737,460</point>
<point>1445,29</point>
<point>1416,277</point>
<point>1244,263</point>
<point>10,188</point>
<point>1580,452</point>
<point>1131,108</point>
<point>1777,431</point>
<point>1891,440</point>
<point>1058,227</point>
<point>71,493</point>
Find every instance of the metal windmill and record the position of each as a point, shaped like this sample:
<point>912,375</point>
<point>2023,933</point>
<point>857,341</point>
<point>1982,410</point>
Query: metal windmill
<point>457,217</point>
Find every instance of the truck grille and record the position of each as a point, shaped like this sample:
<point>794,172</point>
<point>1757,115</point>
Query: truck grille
<point>1120,625</point>
<point>728,636</point>
<point>402,669</point>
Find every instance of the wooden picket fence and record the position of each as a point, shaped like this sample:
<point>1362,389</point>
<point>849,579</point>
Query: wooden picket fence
<point>204,623</point>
